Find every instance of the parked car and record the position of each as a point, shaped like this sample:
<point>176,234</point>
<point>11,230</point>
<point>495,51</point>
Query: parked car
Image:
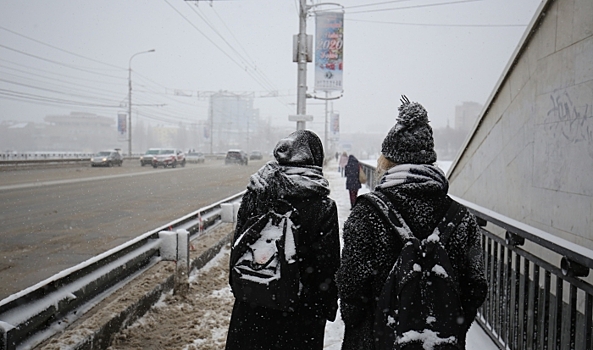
<point>169,157</point>
<point>107,158</point>
<point>148,156</point>
<point>236,156</point>
<point>195,157</point>
<point>256,155</point>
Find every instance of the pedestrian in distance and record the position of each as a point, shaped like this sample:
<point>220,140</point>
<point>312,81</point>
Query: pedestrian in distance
<point>342,163</point>
<point>352,172</point>
<point>390,288</point>
<point>283,279</point>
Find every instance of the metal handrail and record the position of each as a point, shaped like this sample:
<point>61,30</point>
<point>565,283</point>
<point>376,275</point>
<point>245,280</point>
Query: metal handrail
<point>35,309</point>
<point>532,302</point>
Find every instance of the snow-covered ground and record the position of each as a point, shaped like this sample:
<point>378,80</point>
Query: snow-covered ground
<point>200,321</point>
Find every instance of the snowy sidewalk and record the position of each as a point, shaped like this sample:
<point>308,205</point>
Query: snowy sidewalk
<point>334,331</point>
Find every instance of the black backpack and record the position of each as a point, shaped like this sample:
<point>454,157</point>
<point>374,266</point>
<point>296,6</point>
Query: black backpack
<point>264,263</point>
<point>419,306</point>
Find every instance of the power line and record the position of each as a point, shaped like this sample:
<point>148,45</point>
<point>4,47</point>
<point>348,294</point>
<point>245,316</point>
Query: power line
<point>53,91</point>
<point>110,92</point>
<point>60,49</point>
<point>439,25</point>
<point>412,6</point>
<point>218,47</point>
<point>59,63</point>
<point>375,4</point>
<point>56,74</point>
<point>254,66</point>
<point>33,97</point>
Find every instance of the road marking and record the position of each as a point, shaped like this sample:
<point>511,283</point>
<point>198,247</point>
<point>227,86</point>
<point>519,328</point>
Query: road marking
<point>86,179</point>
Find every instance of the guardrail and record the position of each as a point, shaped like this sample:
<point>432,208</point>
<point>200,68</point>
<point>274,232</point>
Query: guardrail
<point>532,303</point>
<point>32,312</point>
<point>14,163</point>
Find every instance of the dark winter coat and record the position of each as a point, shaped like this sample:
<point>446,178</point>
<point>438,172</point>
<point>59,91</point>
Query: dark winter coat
<point>351,172</point>
<point>297,178</point>
<point>371,249</point>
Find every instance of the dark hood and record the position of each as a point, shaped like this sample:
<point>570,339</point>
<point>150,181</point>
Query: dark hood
<point>302,147</point>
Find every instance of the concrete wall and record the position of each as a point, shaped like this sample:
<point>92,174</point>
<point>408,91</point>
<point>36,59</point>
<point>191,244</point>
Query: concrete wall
<point>530,156</point>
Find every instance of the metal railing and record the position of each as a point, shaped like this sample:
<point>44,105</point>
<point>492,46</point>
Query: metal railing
<point>27,313</point>
<point>535,300</point>
<point>533,303</point>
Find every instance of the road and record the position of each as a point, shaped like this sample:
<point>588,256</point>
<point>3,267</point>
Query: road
<point>52,219</point>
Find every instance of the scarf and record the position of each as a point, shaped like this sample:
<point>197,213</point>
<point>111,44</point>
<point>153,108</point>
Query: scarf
<point>414,176</point>
<point>278,181</point>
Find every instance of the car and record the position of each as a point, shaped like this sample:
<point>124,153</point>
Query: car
<point>236,156</point>
<point>256,155</point>
<point>107,158</point>
<point>146,159</point>
<point>195,157</point>
<point>169,157</point>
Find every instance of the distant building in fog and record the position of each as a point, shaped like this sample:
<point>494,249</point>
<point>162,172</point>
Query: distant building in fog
<point>233,121</point>
<point>80,132</point>
<point>86,132</point>
<point>466,115</point>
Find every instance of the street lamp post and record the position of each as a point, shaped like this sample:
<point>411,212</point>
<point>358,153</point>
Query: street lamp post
<point>130,100</point>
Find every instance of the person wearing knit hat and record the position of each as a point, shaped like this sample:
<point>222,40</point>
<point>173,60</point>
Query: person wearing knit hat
<point>410,140</point>
<point>417,190</point>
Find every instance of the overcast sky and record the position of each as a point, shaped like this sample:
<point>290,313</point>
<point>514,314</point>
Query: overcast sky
<point>64,55</point>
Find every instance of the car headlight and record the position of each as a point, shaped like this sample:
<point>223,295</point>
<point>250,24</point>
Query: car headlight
<point>104,159</point>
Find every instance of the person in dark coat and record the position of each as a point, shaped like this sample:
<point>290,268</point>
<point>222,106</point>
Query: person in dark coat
<point>296,176</point>
<point>418,190</point>
<point>352,172</point>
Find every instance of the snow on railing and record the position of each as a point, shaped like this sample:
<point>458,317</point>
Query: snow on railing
<point>36,313</point>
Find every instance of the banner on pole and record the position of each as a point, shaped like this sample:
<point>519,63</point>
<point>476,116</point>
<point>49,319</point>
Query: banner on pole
<point>329,51</point>
<point>335,126</point>
<point>122,126</point>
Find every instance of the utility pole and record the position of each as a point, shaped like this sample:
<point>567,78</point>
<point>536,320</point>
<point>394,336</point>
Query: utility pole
<point>130,101</point>
<point>325,125</point>
<point>302,65</point>
<point>302,46</point>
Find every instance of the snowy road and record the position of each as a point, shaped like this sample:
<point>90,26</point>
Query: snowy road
<point>53,219</point>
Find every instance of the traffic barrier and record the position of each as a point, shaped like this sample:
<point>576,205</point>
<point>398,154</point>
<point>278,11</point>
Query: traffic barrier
<point>32,315</point>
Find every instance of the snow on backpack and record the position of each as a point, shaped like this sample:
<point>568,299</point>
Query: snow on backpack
<point>419,306</point>
<point>264,266</point>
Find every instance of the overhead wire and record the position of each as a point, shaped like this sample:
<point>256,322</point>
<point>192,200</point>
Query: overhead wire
<point>439,25</point>
<point>103,92</point>
<point>49,90</point>
<point>412,6</point>
<point>59,49</point>
<point>254,66</point>
<point>257,79</point>
<point>55,88</point>
<point>86,70</point>
<point>28,67</point>
<point>30,96</point>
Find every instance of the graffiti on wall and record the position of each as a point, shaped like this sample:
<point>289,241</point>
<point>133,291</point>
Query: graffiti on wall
<point>571,121</point>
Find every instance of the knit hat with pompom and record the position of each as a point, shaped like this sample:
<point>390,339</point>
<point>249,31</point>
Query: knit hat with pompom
<point>410,140</point>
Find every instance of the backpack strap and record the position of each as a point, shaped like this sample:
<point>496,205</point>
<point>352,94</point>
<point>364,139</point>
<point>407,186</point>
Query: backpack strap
<point>388,211</point>
<point>450,221</point>
<point>445,227</point>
